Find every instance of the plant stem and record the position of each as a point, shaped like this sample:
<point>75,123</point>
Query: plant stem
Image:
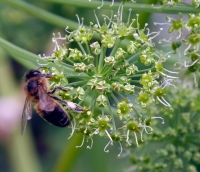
<point>24,56</point>
<point>78,83</point>
<point>69,154</point>
<point>81,47</point>
<point>22,153</point>
<point>101,59</point>
<point>116,46</point>
<point>113,119</point>
<point>135,7</point>
<point>42,14</point>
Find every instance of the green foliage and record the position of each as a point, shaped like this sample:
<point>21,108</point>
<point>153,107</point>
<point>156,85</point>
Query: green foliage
<point>173,146</point>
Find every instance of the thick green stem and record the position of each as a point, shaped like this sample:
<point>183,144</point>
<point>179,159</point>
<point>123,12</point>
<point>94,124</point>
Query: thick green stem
<point>24,56</point>
<point>88,48</point>
<point>22,153</point>
<point>135,82</point>
<point>114,98</point>
<point>137,112</point>
<point>145,70</point>
<point>76,76</point>
<point>106,70</point>
<point>93,101</point>
<point>101,59</point>
<point>42,14</point>
<point>115,47</point>
<point>81,47</point>
<point>69,155</point>
<point>96,63</point>
<point>111,114</point>
<point>135,7</point>
<point>77,83</point>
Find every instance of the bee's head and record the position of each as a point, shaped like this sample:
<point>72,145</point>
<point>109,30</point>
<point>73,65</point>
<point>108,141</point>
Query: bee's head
<point>36,73</point>
<point>33,73</point>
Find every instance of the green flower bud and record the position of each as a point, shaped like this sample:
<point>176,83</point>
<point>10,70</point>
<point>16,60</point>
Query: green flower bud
<point>194,22</point>
<point>80,93</point>
<point>132,47</point>
<point>65,96</point>
<point>80,67</point>
<point>124,108</point>
<point>102,101</point>
<point>176,45</point>
<point>95,48</point>
<point>117,87</point>
<point>131,70</point>
<point>59,54</point>
<point>193,68</point>
<point>129,89</point>
<point>147,80</point>
<point>120,54</point>
<point>75,54</point>
<point>194,56</point>
<point>87,131</point>
<point>191,168</point>
<point>103,124</point>
<point>110,61</point>
<point>148,121</point>
<point>88,58</point>
<point>144,98</point>
<point>108,40</point>
<point>132,126</point>
<point>82,35</point>
<point>178,163</point>
<point>92,83</point>
<point>196,157</point>
<point>159,92</point>
<point>101,86</point>
<point>194,39</point>
<point>176,25</point>
<point>124,79</point>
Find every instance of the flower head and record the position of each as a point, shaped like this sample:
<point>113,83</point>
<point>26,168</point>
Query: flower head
<point>105,73</point>
<point>177,146</point>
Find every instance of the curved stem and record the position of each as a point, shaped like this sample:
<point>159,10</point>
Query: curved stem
<point>127,6</point>
<point>69,154</point>
<point>42,14</point>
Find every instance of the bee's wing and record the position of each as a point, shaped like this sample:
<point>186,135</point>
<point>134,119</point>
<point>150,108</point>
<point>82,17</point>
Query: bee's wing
<point>46,103</point>
<point>26,114</point>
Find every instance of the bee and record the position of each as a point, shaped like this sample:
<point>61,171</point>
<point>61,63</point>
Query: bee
<point>37,91</point>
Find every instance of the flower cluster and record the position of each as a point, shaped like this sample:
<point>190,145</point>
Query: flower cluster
<point>170,3</point>
<point>176,144</point>
<point>173,3</point>
<point>110,78</point>
<point>191,39</point>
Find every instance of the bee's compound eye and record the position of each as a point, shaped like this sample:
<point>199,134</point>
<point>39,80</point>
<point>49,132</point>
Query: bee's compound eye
<point>35,73</point>
<point>31,74</point>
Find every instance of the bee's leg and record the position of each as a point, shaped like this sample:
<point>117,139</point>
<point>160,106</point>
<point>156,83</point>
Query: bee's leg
<point>70,105</point>
<point>58,99</point>
<point>57,88</point>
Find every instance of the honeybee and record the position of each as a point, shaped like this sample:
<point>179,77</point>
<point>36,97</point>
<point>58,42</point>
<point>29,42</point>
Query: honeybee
<point>47,106</point>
